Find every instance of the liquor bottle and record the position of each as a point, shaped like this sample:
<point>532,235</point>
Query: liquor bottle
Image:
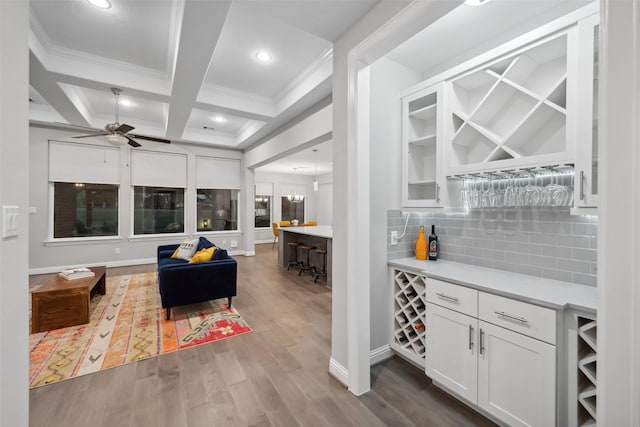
<point>421,245</point>
<point>433,244</point>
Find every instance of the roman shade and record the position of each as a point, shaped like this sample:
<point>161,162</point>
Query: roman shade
<point>218,173</point>
<point>153,169</point>
<point>83,163</point>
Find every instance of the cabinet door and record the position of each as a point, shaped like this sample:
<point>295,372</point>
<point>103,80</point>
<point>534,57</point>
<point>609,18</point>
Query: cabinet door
<point>516,377</point>
<point>452,351</point>
<point>586,180</point>
<point>422,157</point>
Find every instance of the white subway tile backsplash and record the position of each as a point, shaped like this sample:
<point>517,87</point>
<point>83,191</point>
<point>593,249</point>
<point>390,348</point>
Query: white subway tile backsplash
<point>543,242</point>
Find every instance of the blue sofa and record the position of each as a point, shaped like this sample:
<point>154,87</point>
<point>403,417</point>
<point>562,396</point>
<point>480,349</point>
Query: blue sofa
<point>183,283</point>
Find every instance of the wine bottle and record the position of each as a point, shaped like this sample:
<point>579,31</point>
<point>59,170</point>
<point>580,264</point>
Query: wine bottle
<point>433,244</point>
<point>421,245</point>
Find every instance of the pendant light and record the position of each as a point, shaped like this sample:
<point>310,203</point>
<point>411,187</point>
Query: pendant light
<point>315,169</point>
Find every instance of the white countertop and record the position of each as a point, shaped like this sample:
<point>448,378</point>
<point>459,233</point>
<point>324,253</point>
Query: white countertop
<point>325,231</point>
<point>546,292</point>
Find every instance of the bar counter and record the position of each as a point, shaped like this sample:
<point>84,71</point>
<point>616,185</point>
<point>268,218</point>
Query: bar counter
<point>320,236</point>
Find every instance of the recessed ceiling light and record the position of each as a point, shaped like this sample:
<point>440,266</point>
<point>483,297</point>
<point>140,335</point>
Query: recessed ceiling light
<point>476,2</point>
<point>219,119</point>
<point>102,4</point>
<point>126,103</point>
<point>263,56</point>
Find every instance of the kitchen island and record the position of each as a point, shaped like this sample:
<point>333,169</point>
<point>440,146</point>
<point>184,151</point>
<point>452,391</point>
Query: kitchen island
<point>320,236</point>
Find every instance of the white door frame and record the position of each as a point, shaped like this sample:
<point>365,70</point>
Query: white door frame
<point>619,219</point>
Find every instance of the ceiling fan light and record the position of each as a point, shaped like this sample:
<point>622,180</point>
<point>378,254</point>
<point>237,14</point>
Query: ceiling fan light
<point>102,4</point>
<point>117,140</point>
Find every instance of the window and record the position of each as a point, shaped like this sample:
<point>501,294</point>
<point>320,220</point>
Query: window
<point>292,210</point>
<point>217,209</point>
<point>262,211</point>
<point>84,210</point>
<point>158,210</point>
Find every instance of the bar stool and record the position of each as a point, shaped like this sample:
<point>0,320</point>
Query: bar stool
<point>307,266</point>
<point>294,262</point>
<point>322,273</point>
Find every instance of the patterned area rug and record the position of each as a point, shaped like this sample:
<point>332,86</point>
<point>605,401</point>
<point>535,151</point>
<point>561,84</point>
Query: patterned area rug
<point>127,324</point>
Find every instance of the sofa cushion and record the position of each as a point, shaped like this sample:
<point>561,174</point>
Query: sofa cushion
<point>186,250</point>
<point>220,254</point>
<point>204,243</point>
<point>203,255</point>
<point>163,262</point>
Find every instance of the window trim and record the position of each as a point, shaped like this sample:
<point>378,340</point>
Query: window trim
<point>133,214</point>
<point>51,240</point>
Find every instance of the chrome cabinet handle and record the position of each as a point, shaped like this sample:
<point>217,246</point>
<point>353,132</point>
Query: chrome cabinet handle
<point>470,337</point>
<point>437,193</point>
<point>510,316</point>
<point>441,295</point>
<point>581,185</point>
<point>481,341</point>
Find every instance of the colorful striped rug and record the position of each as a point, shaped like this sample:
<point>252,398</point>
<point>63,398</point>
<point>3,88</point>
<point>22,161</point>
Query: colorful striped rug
<point>127,324</point>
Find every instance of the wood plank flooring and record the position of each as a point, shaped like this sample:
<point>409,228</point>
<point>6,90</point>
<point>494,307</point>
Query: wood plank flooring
<point>276,375</point>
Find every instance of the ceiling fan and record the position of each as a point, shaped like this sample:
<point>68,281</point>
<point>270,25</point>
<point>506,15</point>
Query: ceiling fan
<point>118,134</point>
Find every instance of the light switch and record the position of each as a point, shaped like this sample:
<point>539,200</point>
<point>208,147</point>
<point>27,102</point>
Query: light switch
<point>10,221</point>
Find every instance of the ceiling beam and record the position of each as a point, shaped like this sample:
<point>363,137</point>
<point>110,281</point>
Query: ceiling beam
<point>202,25</point>
<point>44,83</point>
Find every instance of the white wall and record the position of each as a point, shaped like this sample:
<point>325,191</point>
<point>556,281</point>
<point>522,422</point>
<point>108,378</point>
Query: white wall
<point>387,80</point>
<point>283,184</point>
<point>324,200</point>
<point>14,188</point>
<point>47,256</point>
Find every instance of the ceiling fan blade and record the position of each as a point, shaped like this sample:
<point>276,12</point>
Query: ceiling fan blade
<point>92,135</point>
<point>124,128</point>
<point>150,138</point>
<point>132,142</point>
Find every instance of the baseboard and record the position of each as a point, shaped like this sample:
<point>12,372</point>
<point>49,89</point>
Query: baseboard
<point>380,354</point>
<point>339,372</point>
<point>261,242</point>
<point>123,263</point>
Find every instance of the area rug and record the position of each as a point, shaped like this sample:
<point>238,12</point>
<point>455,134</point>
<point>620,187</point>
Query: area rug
<point>127,324</point>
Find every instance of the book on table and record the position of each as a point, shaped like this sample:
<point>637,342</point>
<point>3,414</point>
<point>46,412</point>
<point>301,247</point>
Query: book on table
<point>76,273</point>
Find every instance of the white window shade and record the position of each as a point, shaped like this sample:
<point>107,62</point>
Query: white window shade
<point>153,169</point>
<point>93,164</point>
<point>264,188</point>
<point>215,172</point>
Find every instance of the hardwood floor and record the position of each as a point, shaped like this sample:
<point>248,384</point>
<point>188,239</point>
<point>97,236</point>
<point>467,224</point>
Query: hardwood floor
<point>276,375</point>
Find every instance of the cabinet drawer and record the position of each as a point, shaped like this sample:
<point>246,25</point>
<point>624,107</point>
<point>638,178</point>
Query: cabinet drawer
<point>527,319</point>
<point>455,297</point>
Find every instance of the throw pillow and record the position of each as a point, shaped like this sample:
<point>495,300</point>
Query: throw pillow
<point>203,255</point>
<point>203,243</point>
<point>186,250</point>
<point>220,254</point>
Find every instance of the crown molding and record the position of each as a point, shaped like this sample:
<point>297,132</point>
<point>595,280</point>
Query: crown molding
<point>318,70</point>
<point>175,23</point>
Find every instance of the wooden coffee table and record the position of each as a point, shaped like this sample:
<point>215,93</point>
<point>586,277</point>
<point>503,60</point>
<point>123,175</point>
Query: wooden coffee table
<point>60,303</point>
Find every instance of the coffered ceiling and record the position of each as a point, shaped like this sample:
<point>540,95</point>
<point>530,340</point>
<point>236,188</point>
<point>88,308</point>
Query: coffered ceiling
<point>187,68</point>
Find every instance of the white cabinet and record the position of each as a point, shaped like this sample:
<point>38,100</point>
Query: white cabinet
<point>586,180</point>
<point>516,377</point>
<point>408,307</point>
<point>493,354</point>
<point>512,112</point>
<point>452,347</point>
<point>422,154</point>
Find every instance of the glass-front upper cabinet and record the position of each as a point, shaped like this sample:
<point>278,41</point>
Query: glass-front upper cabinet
<point>422,157</point>
<point>586,179</point>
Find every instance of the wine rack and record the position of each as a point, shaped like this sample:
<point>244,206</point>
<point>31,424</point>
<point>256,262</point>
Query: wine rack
<point>408,295</point>
<point>587,371</point>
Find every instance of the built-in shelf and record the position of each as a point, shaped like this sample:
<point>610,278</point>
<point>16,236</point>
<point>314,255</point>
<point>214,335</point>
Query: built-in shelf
<point>408,290</point>
<point>511,109</point>
<point>587,364</point>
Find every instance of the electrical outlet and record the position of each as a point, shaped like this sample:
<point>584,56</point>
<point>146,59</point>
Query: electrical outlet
<point>117,251</point>
<point>234,243</point>
<point>394,238</point>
